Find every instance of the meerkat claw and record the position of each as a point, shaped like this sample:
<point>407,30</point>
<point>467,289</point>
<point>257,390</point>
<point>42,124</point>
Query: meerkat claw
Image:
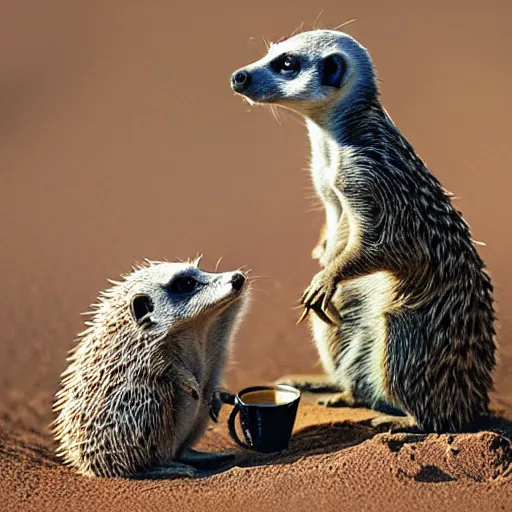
<point>318,298</point>
<point>322,315</point>
<point>303,316</point>
<point>320,291</point>
<point>330,310</point>
<point>308,297</point>
<point>334,314</point>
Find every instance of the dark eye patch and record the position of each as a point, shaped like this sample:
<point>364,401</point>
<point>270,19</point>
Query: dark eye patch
<point>183,285</point>
<point>286,64</point>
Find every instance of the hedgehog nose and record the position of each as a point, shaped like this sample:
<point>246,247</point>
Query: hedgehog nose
<point>240,80</point>
<point>237,282</point>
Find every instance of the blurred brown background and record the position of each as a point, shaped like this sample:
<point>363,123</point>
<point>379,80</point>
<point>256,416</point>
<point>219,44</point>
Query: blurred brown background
<point>121,139</point>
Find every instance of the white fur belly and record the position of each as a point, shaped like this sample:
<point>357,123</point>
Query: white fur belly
<point>320,331</point>
<point>333,213</point>
<point>325,169</point>
<point>354,353</point>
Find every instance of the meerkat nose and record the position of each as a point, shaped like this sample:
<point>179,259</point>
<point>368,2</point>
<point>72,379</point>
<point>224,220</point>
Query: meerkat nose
<point>240,80</point>
<point>237,281</point>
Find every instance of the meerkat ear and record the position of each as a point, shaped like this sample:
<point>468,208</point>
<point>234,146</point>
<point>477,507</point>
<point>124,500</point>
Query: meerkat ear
<point>333,70</point>
<point>142,307</point>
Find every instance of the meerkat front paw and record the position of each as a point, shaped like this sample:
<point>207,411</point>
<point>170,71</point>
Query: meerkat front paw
<point>394,423</point>
<point>343,399</point>
<point>311,383</point>
<point>318,297</point>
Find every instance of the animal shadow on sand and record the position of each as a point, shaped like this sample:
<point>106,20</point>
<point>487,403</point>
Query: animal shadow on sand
<point>316,440</point>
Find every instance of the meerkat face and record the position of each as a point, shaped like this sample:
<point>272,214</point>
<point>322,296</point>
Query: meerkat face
<point>307,72</point>
<point>169,294</point>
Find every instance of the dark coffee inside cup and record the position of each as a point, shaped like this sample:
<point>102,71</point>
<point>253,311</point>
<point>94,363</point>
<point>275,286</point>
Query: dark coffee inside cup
<point>267,416</point>
<point>268,397</point>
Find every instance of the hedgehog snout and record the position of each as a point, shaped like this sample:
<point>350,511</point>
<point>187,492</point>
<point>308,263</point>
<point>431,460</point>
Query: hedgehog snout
<point>238,281</point>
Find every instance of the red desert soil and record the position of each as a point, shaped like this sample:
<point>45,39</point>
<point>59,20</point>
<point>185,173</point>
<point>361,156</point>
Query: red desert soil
<point>120,139</point>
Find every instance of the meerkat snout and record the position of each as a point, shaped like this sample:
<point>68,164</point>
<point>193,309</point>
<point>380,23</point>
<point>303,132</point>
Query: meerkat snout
<point>240,80</point>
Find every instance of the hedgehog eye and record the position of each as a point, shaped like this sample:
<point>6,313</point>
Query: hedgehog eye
<point>286,64</point>
<point>183,285</point>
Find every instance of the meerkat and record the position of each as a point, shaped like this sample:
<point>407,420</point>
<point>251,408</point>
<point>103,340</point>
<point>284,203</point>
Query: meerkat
<point>145,374</point>
<point>404,309</point>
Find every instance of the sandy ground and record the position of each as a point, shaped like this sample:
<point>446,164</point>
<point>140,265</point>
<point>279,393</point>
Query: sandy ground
<point>335,461</point>
<point>120,139</point>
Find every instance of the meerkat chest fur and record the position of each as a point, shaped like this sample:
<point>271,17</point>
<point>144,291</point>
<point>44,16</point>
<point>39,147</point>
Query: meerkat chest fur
<point>330,162</point>
<point>352,354</point>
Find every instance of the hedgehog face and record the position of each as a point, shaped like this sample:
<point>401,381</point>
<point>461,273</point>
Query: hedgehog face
<point>307,72</point>
<point>168,294</point>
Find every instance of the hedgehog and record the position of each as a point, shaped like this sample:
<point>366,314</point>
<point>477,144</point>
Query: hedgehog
<point>145,375</point>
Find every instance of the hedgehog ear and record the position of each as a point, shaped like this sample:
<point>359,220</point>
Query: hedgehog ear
<point>333,70</point>
<point>142,307</point>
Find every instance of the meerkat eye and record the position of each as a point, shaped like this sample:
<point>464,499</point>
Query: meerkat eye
<point>183,284</point>
<point>286,64</point>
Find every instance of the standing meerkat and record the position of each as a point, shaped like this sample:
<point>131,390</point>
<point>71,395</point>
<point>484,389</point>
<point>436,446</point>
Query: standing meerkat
<point>146,372</point>
<point>404,309</point>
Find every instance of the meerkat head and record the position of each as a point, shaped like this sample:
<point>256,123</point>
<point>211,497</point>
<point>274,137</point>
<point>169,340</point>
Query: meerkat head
<point>166,295</point>
<point>308,73</point>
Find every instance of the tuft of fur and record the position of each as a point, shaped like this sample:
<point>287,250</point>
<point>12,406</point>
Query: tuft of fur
<point>405,316</point>
<point>123,406</point>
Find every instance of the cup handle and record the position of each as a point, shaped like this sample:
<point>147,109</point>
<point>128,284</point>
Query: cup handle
<point>232,427</point>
